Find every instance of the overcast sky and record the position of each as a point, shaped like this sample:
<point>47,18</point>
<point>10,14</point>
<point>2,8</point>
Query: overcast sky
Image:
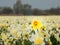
<point>41,4</point>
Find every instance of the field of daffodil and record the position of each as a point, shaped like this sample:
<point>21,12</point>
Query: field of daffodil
<point>29,30</point>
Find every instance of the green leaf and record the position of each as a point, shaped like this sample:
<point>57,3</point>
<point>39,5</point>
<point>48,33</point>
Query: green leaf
<point>0,31</point>
<point>29,22</point>
<point>27,42</point>
<point>32,32</point>
<point>53,40</point>
<point>19,42</point>
<point>59,35</point>
<point>54,29</point>
<point>1,42</point>
<point>58,42</point>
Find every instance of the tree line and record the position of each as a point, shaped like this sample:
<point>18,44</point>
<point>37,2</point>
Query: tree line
<point>26,9</point>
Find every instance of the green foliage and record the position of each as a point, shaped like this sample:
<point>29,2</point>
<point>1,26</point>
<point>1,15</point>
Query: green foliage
<point>53,40</point>
<point>1,42</point>
<point>27,42</point>
<point>3,30</point>
<point>32,32</point>
<point>7,10</point>
<point>29,22</point>
<point>19,42</point>
<point>0,31</point>
<point>54,29</point>
<point>59,35</point>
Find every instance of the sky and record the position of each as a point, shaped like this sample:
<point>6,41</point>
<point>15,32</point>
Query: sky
<point>41,4</point>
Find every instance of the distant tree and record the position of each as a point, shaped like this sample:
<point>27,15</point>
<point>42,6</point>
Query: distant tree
<point>52,11</point>
<point>17,7</point>
<point>27,10</point>
<point>37,12</point>
<point>58,11</point>
<point>55,11</point>
<point>7,10</point>
<point>0,10</point>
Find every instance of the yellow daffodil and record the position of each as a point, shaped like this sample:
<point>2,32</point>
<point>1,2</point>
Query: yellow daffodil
<point>38,41</point>
<point>3,24</point>
<point>24,26</point>
<point>5,27</point>
<point>11,38</point>
<point>22,42</point>
<point>40,33</point>
<point>7,42</point>
<point>49,42</point>
<point>26,35</point>
<point>18,35</point>
<point>43,28</point>
<point>13,32</point>
<point>4,36</point>
<point>36,24</point>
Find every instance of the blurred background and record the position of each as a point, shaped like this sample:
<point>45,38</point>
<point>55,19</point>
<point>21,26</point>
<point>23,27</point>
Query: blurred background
<point>30,7</point>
